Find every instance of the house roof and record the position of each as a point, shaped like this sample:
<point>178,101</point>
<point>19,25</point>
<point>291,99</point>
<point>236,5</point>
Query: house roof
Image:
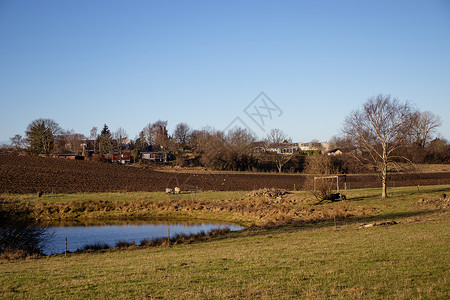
<point>334,150</point>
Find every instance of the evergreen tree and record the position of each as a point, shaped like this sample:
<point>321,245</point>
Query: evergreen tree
<point>141,142</point>
<point>41,135</point>
<point>105,140</point>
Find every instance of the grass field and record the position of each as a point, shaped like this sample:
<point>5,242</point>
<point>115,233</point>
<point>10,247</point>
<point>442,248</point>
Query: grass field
<point>125,196</point>
<point>318,259</point>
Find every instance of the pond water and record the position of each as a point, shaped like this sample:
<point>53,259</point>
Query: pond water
<point>79,235</point>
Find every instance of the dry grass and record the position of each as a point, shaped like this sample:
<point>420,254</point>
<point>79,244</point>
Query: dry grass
<point>263,207</point>
<point>268,207</point>
<point>403,261</point>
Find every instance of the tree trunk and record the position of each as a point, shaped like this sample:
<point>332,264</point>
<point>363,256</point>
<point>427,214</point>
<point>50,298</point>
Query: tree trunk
<point>279,167</point>
<point>383,180</point>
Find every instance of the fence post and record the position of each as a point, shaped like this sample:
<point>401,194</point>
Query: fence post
<point>168,237</point>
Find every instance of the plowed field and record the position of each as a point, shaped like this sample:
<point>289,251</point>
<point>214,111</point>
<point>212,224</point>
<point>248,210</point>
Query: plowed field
<point>29,174</point>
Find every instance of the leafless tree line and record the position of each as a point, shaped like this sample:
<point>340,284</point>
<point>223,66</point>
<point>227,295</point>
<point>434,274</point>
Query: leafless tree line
<point>382,132</point>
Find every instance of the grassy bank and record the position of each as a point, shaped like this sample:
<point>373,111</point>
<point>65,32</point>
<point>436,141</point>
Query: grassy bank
<point>300,260</point>
<point>262,207</point>
<point>249,208</point>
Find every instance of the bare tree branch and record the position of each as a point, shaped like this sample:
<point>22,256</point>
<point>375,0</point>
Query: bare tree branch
<point>380,128</point>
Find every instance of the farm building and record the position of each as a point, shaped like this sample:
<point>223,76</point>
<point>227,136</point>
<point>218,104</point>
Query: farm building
<point>160,156</point>
<point>340,151</point>
<point>65,155</point>
<point>121,158</point>
<point>335,152</point>
<point>293,148</point>
<point>287,148</point>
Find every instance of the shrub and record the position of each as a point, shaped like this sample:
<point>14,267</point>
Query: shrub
<point>19,230</point>
<point>125,244</point>
<point>95,246</point>
<point>320,166</point>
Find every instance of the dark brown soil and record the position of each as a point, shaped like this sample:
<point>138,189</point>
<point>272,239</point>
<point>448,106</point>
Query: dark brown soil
<point>30,174</point>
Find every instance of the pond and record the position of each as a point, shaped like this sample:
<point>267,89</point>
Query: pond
<point>79,235</point>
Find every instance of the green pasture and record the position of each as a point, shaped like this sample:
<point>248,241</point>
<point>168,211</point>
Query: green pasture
<point>311,260</point>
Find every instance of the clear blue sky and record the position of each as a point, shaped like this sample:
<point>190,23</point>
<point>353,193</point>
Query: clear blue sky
<point>128,63</point>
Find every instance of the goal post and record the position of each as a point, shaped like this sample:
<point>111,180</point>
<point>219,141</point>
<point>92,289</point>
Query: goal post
<point>337,177</point>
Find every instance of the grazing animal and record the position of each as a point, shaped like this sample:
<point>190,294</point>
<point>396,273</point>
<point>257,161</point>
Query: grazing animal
<point>169,191</point>
<point>39,194</point>
<point>177,190</point>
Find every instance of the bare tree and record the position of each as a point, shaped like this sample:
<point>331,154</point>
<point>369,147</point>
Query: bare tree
<point>281,159</point>
<point>121,136</point>
<point>210,144</point>
<point>379,129</point>
<point>239,143</point>
<point>182,134</point>
<point>149,135</point>
<point>206,138</point>
<point>339,142</point>
<point>69,142</point>
<point>93,133</point>
<point>156,134</point>
<point>423,126</point>
<point>276,137</point>
<point>17,141</point>
<point>93,136</point>
<point>438,151</point>
<point>239,139</point>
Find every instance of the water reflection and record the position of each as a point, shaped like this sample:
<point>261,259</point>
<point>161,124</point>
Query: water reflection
<point>79,234</point>
<point>72,223</point>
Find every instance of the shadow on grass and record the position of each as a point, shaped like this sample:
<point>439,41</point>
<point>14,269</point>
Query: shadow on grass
<point>363,197</point>
<point>438,190</point>
<point>388,216</point>
<point>398,192</point>
<point>328,223</point>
